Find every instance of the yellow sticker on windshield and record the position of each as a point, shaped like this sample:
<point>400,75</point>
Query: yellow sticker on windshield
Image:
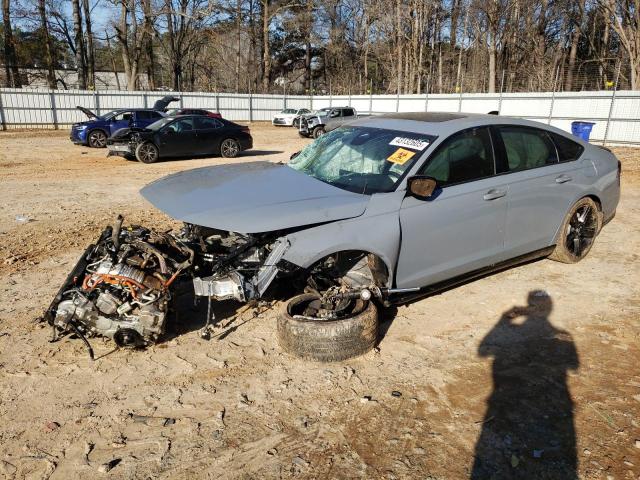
<point>400,156</point>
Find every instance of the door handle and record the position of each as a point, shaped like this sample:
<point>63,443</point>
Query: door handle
<point>563,179</point>
<point>494,193</point>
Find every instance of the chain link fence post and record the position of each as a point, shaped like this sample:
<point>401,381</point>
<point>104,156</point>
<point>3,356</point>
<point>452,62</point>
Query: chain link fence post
<point>54,113</point>
<point>426,97</point>
<point>370,97</point>
<point>3,120</point>
<point>553,96</point>
<point>500,96</point>
<point>96,102</point>
<point>613,100</point>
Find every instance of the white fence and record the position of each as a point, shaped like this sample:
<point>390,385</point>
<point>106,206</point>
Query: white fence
<point>616,114</point>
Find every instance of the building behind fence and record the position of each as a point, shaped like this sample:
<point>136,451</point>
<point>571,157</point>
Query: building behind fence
<point>616,114</point>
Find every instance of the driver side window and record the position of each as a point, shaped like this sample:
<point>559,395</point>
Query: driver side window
<point>183,125</point>
<point>124,116</point>
<point>463,157</point>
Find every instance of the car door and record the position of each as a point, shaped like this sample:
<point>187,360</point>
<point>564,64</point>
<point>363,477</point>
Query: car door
<point>120,120</point>
<point>541,188</point>
<point>209,135</point>
<point>178,138</point>
<point>461,227</point>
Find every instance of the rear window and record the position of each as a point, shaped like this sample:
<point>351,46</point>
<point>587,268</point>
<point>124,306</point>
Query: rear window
<point>205,123</point>
<point>527,148</point>
<point>568,150</point>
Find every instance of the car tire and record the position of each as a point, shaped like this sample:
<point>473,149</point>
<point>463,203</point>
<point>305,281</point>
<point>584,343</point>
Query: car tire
<point>326,340</point>
<point>97,139</point>
<point>147,152</point>
<point>578,232</point>
<point>318,132</point>
<point>229,148</point>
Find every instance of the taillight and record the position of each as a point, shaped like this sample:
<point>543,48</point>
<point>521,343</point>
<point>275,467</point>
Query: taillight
<point>244,129</point>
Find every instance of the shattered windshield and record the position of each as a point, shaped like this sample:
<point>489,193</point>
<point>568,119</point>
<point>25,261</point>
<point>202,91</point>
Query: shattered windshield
<point>361,159</point>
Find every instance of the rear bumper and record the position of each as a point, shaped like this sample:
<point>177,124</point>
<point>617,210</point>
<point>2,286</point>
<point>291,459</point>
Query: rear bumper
<point>246,142</point>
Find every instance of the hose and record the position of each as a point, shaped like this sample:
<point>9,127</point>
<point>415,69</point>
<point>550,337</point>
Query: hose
<point>115,235</point>
<point>84,339</point>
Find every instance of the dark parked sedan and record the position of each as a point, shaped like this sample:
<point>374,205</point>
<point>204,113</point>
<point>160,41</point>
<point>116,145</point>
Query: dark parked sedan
<point>193,111</point>
<point>186,135</point>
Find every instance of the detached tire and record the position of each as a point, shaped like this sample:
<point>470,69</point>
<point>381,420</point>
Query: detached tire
<point>326,340</point>
<point>578,232</point>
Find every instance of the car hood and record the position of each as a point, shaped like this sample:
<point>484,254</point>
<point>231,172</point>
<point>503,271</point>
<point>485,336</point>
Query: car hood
<point>251,197</point>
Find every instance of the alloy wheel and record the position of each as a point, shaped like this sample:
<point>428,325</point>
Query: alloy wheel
<point>97,139</point>
<point>581,230</point>
<point>148,153</point>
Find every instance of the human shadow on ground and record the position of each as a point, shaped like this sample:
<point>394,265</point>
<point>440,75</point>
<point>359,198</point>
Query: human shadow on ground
<point>528,429</point>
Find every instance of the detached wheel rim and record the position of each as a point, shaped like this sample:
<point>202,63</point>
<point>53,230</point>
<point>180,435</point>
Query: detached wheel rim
<point>230,148</point>
<point>148,153</point>
<point>97,139</point>
<point>581,230</point>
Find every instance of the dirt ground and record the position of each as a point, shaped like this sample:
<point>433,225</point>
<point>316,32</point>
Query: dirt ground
<point>530,373</point>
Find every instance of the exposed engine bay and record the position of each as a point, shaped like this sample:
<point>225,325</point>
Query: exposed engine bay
<point>122,286</point>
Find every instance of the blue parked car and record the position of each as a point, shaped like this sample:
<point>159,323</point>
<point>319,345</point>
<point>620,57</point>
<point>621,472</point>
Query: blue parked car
<point>95,131</point>
<point>98,128</point>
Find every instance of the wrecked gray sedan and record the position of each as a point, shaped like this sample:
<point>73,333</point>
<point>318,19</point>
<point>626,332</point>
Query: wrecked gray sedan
<point>382,210</point>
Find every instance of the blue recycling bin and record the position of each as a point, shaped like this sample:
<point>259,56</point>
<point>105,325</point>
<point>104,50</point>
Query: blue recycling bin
<point>582,129</point>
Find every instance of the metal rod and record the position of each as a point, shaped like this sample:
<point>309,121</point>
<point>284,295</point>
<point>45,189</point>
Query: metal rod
<point>613,99</point>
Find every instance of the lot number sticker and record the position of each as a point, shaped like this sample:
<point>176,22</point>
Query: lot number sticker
<point>412,143</point>
<point>400,156</point>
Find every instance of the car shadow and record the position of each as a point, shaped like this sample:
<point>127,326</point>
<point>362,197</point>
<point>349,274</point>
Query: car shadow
<point>264,153</point>
<point>388,314</point>
<point>528,429</point>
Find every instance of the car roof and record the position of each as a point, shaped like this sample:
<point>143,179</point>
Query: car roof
<point>135,110</point>
<point>444,124</point>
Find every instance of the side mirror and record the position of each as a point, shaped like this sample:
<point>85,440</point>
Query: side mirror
<point>421,186</point>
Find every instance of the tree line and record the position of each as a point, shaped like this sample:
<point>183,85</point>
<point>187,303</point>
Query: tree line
<point>328,46</point>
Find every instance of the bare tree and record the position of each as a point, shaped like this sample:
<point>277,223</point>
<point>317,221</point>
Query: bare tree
<point>10,57</point>
<point>90,52</point>
<point>625,16</point>
<point>79,44</point>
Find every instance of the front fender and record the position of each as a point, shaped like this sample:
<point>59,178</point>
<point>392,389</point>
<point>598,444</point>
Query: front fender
<point>377,231</point>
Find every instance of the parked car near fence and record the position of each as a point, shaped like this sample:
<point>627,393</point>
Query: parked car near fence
<point>184,135</point>
<point>386,208</point>
<point>95,131</point>
<point>193,111</point>
<point>288,115</point>
<point>325,120</point>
